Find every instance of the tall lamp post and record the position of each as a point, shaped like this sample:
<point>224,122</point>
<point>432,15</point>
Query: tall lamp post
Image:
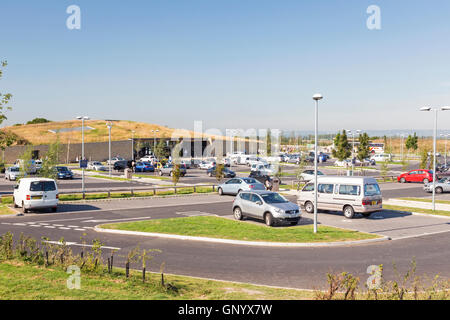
<point>154,140</point>
<point>132,144</point>
<point>434,145</point>
<point>109,126</point>
<point>316,98</point>
<point>82,118</point>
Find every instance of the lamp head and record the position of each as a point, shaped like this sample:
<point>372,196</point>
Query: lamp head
<point>425,109</point>
<point>317,97</point>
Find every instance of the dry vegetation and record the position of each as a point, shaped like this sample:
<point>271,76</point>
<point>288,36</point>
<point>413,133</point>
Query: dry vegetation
<point>38,134</point>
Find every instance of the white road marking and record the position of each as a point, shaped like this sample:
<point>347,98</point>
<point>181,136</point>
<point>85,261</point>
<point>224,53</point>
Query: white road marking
<point>50,227</point>
<point>64,228</point>
<point>42,222</point>
<point>110,220</point>
<point>80,229</point>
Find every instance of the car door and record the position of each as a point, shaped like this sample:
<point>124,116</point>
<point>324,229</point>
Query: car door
<point>231,186</point>
<point>411,176</point>
<point>255,206</point>
<point>325,196</point>
<point>50,192</point>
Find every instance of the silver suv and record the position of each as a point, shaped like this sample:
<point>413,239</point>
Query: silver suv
<point>265,205</point>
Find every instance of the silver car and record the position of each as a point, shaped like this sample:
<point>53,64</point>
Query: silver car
<point>12,173</point>
<point>236,185</point>
<point>442,185</point>
<point>266,205</point>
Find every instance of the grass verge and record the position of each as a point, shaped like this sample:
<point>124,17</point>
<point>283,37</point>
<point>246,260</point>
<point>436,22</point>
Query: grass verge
<point>222,228</point>
<point>20,281</point>
<point>425,200</point>
<point>418,210</point>
<point>4,210</point>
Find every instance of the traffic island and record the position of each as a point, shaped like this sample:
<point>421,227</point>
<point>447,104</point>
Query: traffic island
<point>222,230</point>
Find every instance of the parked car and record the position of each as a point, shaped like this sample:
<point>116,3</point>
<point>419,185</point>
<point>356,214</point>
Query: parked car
<point>148,158</point>
<point>36,193</point>
<point>365,162</point>
<point>381,157</point>
<point>205,165</point>
<point>30,166</point>
<point>144,167</point>
<point>227,173</point>
<point>271,207</point>
<point>265,168</point>
<point>12,173</point>
<point>63,172</point>
<point>236,185</point>
<point>97,166</point>
<point>114,160</point>
<point>308,175</point>
<point>344,163</point>
<point>263,178</point>
<point>121,165</point>
<point>442,185</point>
<point>420,175</point>
<point>348,194</point>
<point>168,170</point>
<point>38,165</point>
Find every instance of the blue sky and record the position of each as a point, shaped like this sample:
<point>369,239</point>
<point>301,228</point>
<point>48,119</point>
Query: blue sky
<point>232,64</point>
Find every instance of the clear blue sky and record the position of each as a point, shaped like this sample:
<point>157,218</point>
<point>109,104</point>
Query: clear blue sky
<point>232,64</point>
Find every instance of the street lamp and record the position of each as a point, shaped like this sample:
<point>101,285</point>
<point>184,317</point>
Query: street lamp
<point>82,118</point>
<point>316,98</point>
<point>154,140</point>
<point>109,126</point>
<point>132,144</point>
<point>434,145</point>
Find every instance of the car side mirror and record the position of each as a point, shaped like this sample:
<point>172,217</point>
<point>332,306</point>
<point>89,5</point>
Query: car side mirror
<point>16,186</point>
<point>259,203</point>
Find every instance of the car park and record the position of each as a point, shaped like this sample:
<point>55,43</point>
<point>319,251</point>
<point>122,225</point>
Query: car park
<point>348,194</point>
<point>308,175</point>
<point>420,175</point>
<point>144,167</point>
<point>36,193</point>
<point>97,166</point>
<point>63,172</point>
<point>271,207</point>
<point>227,173</point>
<point>168,170</point>
<point>236,185</point>
<point>441,186</point>
<point>12,173</point>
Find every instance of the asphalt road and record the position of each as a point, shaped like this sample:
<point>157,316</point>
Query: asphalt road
<point>287,267</point>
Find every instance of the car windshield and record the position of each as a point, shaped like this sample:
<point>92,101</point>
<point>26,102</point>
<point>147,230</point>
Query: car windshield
<point>372,190</point>
<point>14,169</point>
<point>273,198</point>
<point>62,169</point>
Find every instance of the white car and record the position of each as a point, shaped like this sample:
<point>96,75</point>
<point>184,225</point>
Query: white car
<point>381,157</point>
<point>36,193</point>
<point>97,166</point>
<point>150,159</point>
<point>205,165</point>
<point>266,169</point>
<point>344,163</point>
<point>308,175</point>
<point>114,160</point>
<point>12,173</point>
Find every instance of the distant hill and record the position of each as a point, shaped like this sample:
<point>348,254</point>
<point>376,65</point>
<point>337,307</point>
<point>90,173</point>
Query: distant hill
<point>45,133</point>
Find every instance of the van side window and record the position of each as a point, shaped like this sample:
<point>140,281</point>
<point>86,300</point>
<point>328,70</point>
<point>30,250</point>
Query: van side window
<point>309,187</point>
<point>349,190</point>
<point>325,188</point>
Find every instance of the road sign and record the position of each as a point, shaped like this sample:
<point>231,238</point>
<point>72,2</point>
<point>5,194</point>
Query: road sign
<point>83,164</point>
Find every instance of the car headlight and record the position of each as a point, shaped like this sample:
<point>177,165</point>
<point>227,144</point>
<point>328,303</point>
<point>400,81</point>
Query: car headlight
<point>278,210</point>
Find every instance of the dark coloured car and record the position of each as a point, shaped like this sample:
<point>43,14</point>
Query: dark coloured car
<point>122,165</point>
<point>263,178</point>
<point>63,173</point>
<point>227,173</point>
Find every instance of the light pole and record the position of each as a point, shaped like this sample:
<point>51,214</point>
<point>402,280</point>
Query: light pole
<point>109,125</point>
<point>434,146</point>
<point>316,97</point>
<point>401,144</point>
<point>132,144</point>
<point>82,118</point>
<point>154,140</point>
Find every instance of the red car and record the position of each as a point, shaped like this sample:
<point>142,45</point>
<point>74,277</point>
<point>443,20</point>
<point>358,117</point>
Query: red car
<point>420,175</point>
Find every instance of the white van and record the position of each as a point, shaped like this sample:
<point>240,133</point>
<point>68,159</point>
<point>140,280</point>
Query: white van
<point>348,194</point>
<point>36,193</point>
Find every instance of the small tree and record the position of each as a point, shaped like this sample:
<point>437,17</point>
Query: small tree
<point>176,173</point>
<point>423,159</point>
<point>384,168</point>
<point>412,142</point>
<point>342,148</point>
<point>25,161</point>
<point>363,147</point>
<point>219,171</point>
<point>268,143</point>
<point>50,161</point>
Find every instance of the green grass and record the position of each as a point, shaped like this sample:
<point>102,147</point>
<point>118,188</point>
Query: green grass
<point>4,210</point>
<point>217,227</point>
<point>418,210</point>
<point>426,200</point>
<point>153,177</point>
<point>21,281</point>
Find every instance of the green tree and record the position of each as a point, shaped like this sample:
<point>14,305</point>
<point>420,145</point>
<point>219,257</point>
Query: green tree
<point>5,98</point>
<point>384,168</point>
<point>412,142</point>
<point>423,159</point>
<point>268,143</point>
<point>176,173</point>
<point>38,120</point>
<point>161,151</point>
<point>342,148</point>
<point>50,160</point>
<point>25,164</point>
<point>363,147</point>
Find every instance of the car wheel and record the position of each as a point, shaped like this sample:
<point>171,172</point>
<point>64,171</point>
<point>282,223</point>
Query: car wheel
<point>237,212</point>
<point>402,180</point>
<point>425,181</point>
<point>220,191</point>
<point>309,207</point>
<point>349,212</point>
<point>268,219</point>
<point>439,190</point>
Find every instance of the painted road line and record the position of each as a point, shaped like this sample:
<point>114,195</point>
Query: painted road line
<point>111,220</point>
<point>50,227</point>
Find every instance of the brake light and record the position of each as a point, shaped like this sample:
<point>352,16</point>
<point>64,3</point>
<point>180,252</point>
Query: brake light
<point>366,202</point>
<point>28,197</point>
<point>251,186</point>
<point>57,196</point>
